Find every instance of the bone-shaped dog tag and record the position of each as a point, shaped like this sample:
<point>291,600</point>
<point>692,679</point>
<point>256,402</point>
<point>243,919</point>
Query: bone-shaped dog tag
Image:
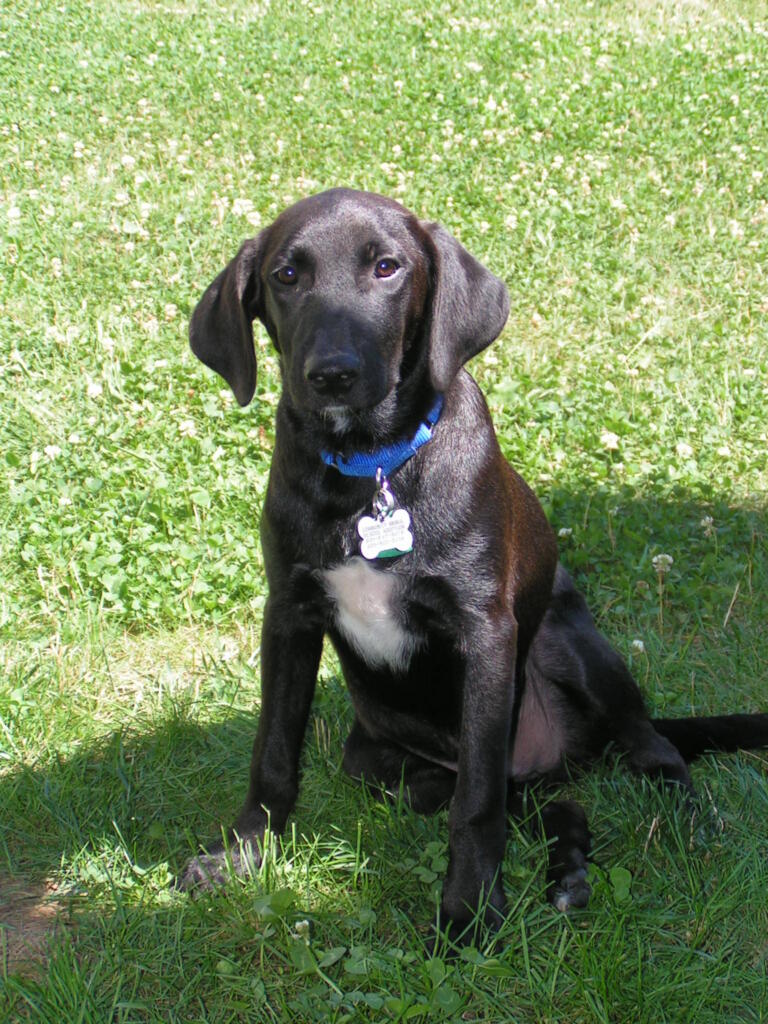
<point>386,537</point>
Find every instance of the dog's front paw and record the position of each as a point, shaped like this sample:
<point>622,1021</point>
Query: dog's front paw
<point>572,890</point>
<point>205,872</point>
<point>469,921</point>
<point>210,871</point>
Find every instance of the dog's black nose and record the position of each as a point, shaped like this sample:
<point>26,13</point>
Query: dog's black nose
<point>332,373</point>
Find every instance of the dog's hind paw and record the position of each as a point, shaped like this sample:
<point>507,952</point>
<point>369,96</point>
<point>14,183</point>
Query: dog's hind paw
<point>572,890</point>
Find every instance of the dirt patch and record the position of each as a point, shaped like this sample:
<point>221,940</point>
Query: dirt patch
<point>30,915</point>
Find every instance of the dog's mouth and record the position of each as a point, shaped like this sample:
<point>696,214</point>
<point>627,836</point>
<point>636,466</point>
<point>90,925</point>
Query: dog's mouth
<point>339,419</point>
<point>365,425</point>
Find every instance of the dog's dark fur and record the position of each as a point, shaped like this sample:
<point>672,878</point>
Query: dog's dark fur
<point>472,662</point>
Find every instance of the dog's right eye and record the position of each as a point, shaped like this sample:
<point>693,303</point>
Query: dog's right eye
<point>386,268</point>
<point>286,275</point>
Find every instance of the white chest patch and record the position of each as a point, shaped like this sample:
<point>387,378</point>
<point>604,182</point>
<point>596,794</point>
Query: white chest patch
<point>365,614</point>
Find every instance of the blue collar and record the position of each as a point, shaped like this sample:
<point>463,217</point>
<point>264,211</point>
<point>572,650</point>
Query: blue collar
<point>391,456</point>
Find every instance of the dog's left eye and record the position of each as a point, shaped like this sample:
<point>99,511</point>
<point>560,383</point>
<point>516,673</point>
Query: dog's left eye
<point>287,275</point>
<point>386,268</point>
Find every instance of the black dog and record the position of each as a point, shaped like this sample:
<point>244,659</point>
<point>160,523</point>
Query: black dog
<point>393,523</point>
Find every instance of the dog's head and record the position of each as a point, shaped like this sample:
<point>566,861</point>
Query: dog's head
<point>358,296</point>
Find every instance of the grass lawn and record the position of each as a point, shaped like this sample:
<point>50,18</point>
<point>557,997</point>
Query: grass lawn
<point>610,161</point>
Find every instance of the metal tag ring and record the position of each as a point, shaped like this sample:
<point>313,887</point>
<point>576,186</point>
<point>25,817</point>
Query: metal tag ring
<point>383,499</point>
<point>383,503</point>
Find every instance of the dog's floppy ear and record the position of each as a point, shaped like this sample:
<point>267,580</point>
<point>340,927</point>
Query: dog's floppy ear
<point>469,307</point>
<point>220,331</point>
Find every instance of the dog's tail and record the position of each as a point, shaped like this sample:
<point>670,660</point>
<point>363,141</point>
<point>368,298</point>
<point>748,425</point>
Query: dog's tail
<point>695,736</point>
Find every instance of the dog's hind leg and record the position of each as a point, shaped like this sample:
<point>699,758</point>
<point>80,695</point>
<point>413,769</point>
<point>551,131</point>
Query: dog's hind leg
<point>651,754</point>
<point>600,703</point>
<point>388,769</point>
<point>563,824</point>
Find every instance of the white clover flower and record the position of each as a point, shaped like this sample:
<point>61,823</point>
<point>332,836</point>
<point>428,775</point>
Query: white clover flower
<point>187,428</point>
<point>662,563</point>
<point>609,440</point>
<point>684,450</point>
<point>94,389</point>
<point>241,206</point>
<point>565,531</point>
<point>708,526</point>
<point>639,646</point>
<point>132,227</point>
<point>170,310</point>
<point>229,651</point>
<point>52,451</point>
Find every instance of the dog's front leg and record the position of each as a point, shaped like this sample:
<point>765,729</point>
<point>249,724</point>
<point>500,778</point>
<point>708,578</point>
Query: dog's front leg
<point>290,656</point>
<point>477,820</point>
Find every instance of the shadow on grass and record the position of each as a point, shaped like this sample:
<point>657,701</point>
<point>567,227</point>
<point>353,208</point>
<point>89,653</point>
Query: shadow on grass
<point>155,793</point>
<point>162,790</point>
